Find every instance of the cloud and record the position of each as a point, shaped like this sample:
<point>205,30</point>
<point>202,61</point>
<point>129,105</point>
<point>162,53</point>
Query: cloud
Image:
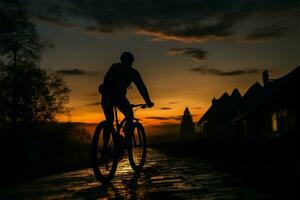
<point>92,94</point>
<point>195,53</point>
<point>188,35</point>
<point>217,72</point>
<point>265,34</point>
<point>179,117</point>
<point>166,108</point>
<point>94,104</point>
<point>168,124</point>
<point>165,118</point>
<point>197,108</point>
<point>55,21</point>
<point>179,20</point>
<point>71,72</point>
<point>173,102</point>
<point>158,118</point>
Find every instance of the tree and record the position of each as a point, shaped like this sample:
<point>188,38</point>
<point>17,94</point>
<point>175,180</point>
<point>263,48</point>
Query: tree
<point>19,40</point>
<point>28,93</point>
<point>187,127</point>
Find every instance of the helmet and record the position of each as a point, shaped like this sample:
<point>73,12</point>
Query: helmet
<point>127,57</point>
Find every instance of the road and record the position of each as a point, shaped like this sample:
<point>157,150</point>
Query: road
<point>165,177</point>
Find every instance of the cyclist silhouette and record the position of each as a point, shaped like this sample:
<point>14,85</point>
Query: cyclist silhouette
<point>114,88</point>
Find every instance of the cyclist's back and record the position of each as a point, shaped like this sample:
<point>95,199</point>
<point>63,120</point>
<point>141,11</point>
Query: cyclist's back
<point>118,79</point>
<point>115,84</point>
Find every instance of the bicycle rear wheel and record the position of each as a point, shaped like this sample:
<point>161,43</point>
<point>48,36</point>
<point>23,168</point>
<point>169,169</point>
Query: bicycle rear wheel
<point>137,148</point>
<point>104,160</point>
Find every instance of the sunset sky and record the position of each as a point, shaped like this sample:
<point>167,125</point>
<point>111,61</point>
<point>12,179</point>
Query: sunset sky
<point>187,51</point>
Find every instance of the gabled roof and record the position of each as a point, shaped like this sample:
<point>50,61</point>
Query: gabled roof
<point>236,93</point>
<point>251,97</point>
<point>257,95</point>
<point>222,106</point>
<point>212,109</point>
<point>272,88</point>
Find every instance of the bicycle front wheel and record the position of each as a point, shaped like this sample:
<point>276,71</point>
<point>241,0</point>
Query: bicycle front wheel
<point>104,156</point>
<point>137,148</point>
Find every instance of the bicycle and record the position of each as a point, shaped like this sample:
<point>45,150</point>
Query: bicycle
<point>105,160</point>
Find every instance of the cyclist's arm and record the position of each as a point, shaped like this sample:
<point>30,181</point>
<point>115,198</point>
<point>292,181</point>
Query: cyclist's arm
<point>138,81</point>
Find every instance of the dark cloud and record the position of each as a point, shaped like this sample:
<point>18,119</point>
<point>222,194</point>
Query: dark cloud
<point>91,29</point>
<point>179,117</point>
<point>169,124</point>
<point>267,33</point>
<point>158,118</point>
<point>173,102</point>
<point>164,118</point>
<point>195,53</point>
<point>181,20</point>
<point>54,20</point>
<point>92,94</point>
<point>97,30</point>
<point>217,72</point>
<point>94,104</point>
<point>72,72</point>
<point>166,108</point>
<point>197,108</point>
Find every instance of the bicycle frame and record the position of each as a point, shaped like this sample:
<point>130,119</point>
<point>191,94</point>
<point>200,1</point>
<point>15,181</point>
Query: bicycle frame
<point>117,121</point>
<point>114,152</point>
<point>119,125</point>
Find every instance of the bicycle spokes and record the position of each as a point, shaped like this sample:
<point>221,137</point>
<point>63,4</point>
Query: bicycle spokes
<point>108,147</point>
<point>137,150</point>
<point>103,157</point>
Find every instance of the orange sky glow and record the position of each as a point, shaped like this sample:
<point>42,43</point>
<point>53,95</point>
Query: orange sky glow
<point>186,58</point>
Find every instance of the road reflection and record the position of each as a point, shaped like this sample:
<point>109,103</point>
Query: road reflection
<point>164,177</point>
<point>131,186</point>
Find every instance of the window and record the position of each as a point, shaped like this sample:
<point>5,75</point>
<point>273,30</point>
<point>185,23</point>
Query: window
<point>280,120</point>
<point>274,122</point>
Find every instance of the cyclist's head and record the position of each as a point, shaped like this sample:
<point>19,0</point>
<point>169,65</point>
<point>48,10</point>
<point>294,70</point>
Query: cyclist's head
<point>127,58</point>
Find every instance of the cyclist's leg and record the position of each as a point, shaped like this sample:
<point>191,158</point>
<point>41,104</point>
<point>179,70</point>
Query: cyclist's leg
<point>125,107</point>
<point>107,107</point>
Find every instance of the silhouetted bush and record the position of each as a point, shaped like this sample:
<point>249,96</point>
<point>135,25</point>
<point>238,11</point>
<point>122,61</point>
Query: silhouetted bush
<point>42,149</point>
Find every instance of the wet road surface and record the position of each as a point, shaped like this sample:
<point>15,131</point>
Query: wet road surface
<point>165,177</point>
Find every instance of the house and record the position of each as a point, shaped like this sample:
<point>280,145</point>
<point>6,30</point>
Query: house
<point>268,110</point>
<point>271,110</point>
<point>250,99</point>
<point>216,121</point>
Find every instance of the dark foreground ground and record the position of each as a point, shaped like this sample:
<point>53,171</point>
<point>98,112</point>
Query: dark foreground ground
<point>272,165</point>
<point>166,176</point>
<point>198,169</point>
